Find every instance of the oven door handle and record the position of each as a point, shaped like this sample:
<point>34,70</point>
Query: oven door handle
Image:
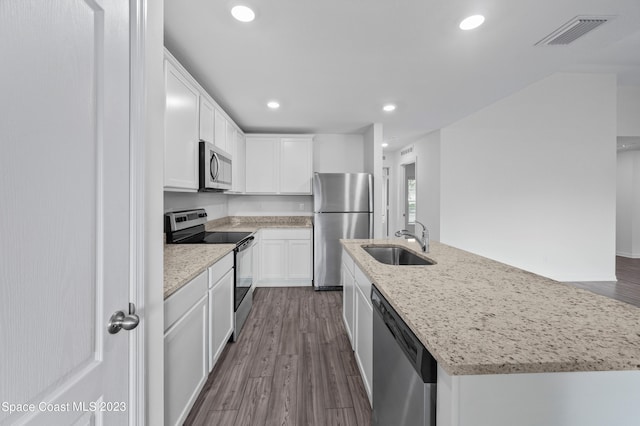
<point>245,244</point>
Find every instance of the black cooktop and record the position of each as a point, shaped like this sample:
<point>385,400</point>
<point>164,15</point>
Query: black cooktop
<point>197,235</point>
<point>223,237</point>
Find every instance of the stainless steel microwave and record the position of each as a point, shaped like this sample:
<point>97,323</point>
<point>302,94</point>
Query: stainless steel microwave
<point>215,168</point>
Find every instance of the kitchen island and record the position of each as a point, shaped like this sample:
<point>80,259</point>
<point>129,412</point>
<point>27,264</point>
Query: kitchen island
<point>513,347</point>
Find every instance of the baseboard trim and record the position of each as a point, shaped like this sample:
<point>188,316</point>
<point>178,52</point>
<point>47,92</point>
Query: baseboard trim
<point>590,279</point>
<point>281,283</point>
<point>628,255</point>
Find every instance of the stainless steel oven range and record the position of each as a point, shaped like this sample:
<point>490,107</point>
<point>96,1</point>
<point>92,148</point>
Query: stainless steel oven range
<point>187,227</point>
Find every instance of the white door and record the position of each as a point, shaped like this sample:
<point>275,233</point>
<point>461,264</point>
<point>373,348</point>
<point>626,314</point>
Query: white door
<point>64,215</point>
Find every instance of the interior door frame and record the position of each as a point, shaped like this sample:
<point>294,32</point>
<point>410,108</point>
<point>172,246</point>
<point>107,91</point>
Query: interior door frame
<point>137,90</point>
<point>402,204</point>
<point>386,198</point>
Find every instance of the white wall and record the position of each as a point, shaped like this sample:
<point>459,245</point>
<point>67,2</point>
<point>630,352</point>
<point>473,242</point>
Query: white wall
<point>335,153</point>
<point>373,164</point>
<point>270,205</point>
<point>214,203</point>
<point>531,180</point>
<point>628,204</point>
<point>628,111</point>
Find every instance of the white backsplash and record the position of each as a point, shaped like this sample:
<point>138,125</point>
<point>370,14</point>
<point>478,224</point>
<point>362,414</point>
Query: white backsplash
<point>270,205</point>
<point>214,203</point>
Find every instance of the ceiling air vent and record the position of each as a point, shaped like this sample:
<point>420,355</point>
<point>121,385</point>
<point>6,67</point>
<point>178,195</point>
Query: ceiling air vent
<point>572,30</point>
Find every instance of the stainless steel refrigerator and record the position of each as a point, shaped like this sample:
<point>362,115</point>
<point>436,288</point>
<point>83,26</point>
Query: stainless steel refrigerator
<point>342,208</point>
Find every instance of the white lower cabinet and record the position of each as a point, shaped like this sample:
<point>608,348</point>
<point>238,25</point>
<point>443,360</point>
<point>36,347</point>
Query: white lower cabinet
<point>185,348</point>
<point>284,257</point>
<point>364,335</point>
<point>198,321</point>
<point>272,259</point>
<point>358,318</point>
<point>299,259</point>
<point>221,288</point>
<point>348,295</point>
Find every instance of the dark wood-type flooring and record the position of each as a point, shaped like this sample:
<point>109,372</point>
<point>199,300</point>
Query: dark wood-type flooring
<point>292,365</point>
<point>626,289</point>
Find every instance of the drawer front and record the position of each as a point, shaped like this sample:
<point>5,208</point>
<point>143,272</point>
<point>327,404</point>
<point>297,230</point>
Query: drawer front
<point>364,284</point>
<point>182,300</point>
<point>219,269</point>
<point>285,234</point>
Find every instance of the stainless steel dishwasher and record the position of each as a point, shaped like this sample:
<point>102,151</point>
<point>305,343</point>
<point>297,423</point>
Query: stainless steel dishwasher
<point>404,372</point>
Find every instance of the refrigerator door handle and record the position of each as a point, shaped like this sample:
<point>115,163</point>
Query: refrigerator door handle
<point>370,225</point>
<point>371,194</point>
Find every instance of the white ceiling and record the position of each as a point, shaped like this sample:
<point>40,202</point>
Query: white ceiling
<point>332,64</point>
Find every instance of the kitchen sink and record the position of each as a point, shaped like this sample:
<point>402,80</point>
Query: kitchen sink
<point>396,255</point>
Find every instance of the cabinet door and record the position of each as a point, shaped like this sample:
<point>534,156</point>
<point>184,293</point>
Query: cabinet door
<point>272,259</point>
<point>231,138</point>
<point>185,362</point>
<point>295,165</point>
<point>299,259</point>
<point>220,131</point>
<point>262,165</point>
<point>207,117</point>
<point>348,287</point>
<point>364,340</point>
<point>238,170</point>
<point>180,131</point>
<point>220,316</point>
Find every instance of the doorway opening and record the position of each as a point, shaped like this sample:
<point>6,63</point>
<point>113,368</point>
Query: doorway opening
<point>385,201</point>
<point>410,197</point>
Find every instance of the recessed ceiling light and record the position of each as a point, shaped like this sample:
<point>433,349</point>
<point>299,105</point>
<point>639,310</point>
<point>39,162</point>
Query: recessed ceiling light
<point>243,13</point>
<point>384,145</point>
<point>273,105</point>
<point>389,107</point>
<point>471,22</point>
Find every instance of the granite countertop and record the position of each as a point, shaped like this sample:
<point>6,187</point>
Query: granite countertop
<point>184,262</point>
<point>254,223</point>
<point>479,316</point>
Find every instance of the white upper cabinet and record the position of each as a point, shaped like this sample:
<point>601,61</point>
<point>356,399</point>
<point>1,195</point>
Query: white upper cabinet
<point>295,165</point>
<point>207,114</point>
<point>261,165</point>
<point>230,140</point>
<point>181,131</point>
<point>221,131</point>
<point>279,164</point>
<point>238,178</point>
<point>190,115</point>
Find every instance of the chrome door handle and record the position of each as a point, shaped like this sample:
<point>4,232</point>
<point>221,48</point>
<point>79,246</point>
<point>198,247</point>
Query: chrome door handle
<point>119,320</point>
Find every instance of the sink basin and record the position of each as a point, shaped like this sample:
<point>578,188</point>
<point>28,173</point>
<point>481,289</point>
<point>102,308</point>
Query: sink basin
<point>395,255</point>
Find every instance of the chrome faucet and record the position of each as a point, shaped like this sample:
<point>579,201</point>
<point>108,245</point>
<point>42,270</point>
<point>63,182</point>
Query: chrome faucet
<point>424,241</point>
